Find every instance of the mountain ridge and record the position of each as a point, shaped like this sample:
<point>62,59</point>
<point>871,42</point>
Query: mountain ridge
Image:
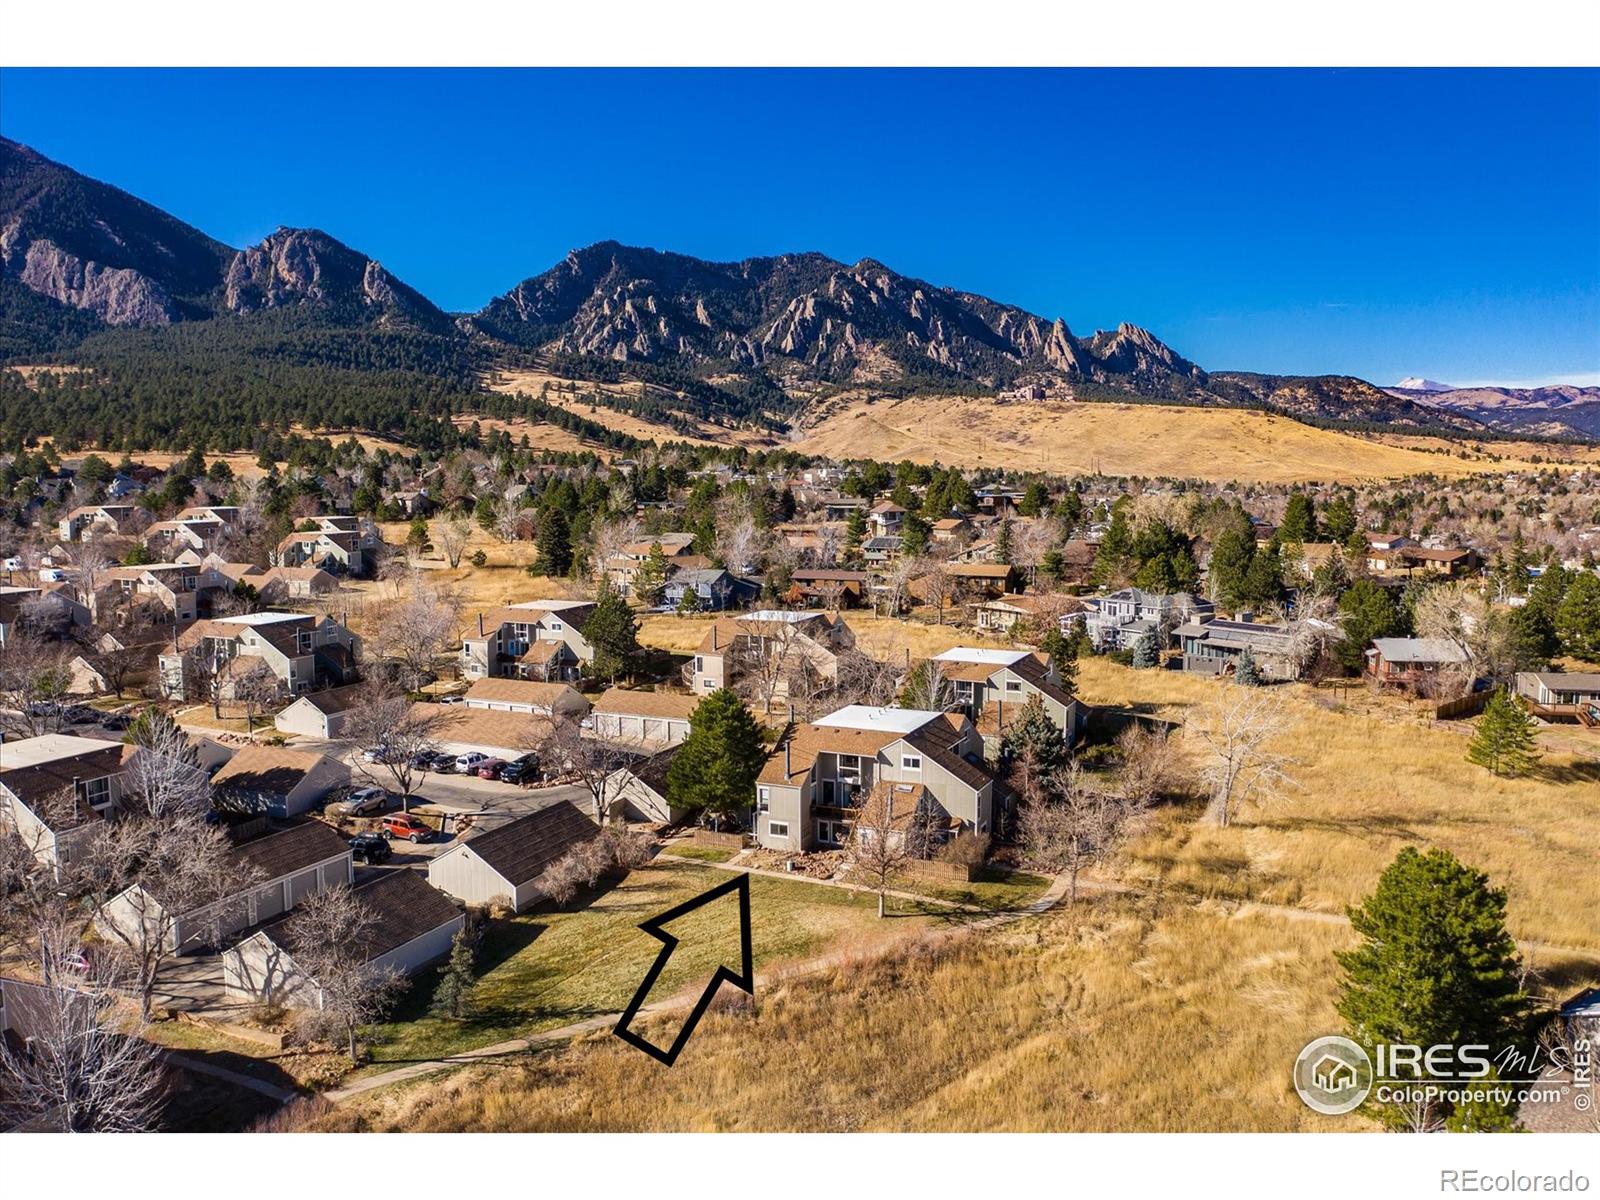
<point>753,340</point>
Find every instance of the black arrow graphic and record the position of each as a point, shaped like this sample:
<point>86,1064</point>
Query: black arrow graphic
<point>744,980</point>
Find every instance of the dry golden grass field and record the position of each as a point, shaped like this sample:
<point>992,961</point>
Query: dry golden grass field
<point>1133,439</point>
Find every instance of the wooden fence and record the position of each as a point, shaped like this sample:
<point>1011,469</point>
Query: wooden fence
<point>1466,706</point>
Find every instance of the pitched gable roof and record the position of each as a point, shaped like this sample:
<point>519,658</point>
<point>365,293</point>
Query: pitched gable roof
<point>521,850</point>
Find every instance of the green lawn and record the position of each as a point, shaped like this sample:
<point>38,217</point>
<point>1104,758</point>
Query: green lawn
<point>997,891</point>
<point>545,969</point>
<point>710,854</point>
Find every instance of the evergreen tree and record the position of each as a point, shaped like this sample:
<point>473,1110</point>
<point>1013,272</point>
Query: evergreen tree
<point>1299,519</point>
<point>1002,543</point>
<point>1035,500</point>
<point>714,770</point>
<point>1147,650</point>
<point>1115,553</point>
<point>855,532</point>
<point>612,630</point>
<point>1035,731</point>
<point>1577,620</point>
<point>417,536</point>
<point>1436,965</point>
<point>1231,556</point>
<point>914,533</point>
<point>689,602</point>
<point>1338,519</point>
<point>651,577</point>
<point>1263,583</point>
<point>451,996</point>
<point>555,543</point>
<point>1244,669</point>
<point>1504,741</point>
<point>1369,612</point>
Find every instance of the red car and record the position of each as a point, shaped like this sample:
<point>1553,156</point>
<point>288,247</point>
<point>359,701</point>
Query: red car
<point>404,825</point>
<point>490,768</point>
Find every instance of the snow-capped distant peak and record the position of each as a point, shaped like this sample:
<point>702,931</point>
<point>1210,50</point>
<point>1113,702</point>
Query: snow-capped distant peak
<point>1416,383</point>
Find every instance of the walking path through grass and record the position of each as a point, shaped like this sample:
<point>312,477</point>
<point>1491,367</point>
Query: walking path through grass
<point>684,999</point>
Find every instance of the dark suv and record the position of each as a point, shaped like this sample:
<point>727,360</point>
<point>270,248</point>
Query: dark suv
<point>370,848</point>
<point>522,772</point>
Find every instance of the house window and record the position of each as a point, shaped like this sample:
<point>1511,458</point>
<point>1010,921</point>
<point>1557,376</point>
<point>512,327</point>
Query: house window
<point>1013,685</point>
<point>95,792</point>
<point>911,762</point>
<point>763,798</point>
<point>777,829</point>
<point>555,626</point>
<point>699,665</point>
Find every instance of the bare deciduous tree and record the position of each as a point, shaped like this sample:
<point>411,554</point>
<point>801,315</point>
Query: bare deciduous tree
<point>589,761</point>
<point>1237,768</point>
<point>938,585</point>
<point>417,631</point>
<point>256,687</point>
<point>1150,764</point>
<point>33,683</point>
<point>878,845</point>
<point>383,720</point>
<point>1072,824</point>
<point>928,688</point>
<point>330,934</point>
<point>81,1070</point>
<point>452,536</point>
<point>160,861</point>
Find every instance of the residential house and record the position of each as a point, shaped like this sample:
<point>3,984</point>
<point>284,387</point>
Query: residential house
<point>715,589</point>
<point>828,589</point>
<point>410,925</point>
<point>534,639</point>
<point>638,792</point>
<point>278,871</point>
<point>1212,647</point>
<point>977,552</point>
<point>996,499</point>
<point>623,566</point>
<point>886,519</point>
<point>173,586</point>
<point>839,508</point>
<point>1002,615</point>
<point>276,585</point>
<point>167,539</point>
<point>277,781</point>
<point>1446,562</point>
<point>1562,695</point>
<point>95,518</point>
<point>814,778</point>
<point>322,715</point>
<point>787,645</point>
<point>1412,662</point>
<point>880,551</point>
<point>977,582</point>
<point>527,696</point>
<point>1385,551</point>
<point>1119,620</point>
<point>47,607</point>
<point>340,545</point>
<point>503,865</point>
<point>649,720</point>
<point>951,530</point>
<point>464,730</point>
<point>53,788</point>
<point>993,687</point>
<point>303,651</point>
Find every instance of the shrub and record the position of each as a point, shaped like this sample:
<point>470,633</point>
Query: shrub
<point>966,849</point>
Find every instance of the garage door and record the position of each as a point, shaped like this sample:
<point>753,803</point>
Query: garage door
<point>269,903</point>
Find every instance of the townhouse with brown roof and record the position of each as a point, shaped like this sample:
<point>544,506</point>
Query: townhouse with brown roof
<point>339,545</point>
<point>526,696</point>
<point>94,518</point>
<point>781,644</point>
<point>168,539</point>
<point>994,687</point>
<point>303,651</point>
<point>53,788</point>
<point>533,639</point>
<point>814,778</point>
<point>623,566</point>
<point>174,586</point>
<point>828,588</point>
<point>649,720</point>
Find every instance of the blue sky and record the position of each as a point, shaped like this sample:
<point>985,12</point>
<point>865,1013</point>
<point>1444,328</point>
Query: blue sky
<point>1380,223</point>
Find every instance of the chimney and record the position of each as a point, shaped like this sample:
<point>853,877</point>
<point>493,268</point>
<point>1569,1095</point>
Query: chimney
<point>1000,714</point>
<point>77,814</point>
<point>713,635</point>
<point>480,624</point>
<point>786,743</point>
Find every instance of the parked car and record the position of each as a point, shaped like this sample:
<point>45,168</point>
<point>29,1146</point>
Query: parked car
<point>489,768</point>
<point>441,762</point>
<point>452,699</point>
<point>366,800</point>
<point>469,762</point>
<point>376,754</point>
<point>404,825</point>
<point>523,771</point>
<point>370,848</point>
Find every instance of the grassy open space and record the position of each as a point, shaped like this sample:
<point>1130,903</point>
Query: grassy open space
<point>996,891</point>
<point>881,637</point>
<point>1120,1015</point>
<point>544,969</point>
<point>708,854</point>
<point>1372,780</point>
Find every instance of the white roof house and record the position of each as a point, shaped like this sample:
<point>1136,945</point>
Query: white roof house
<point>976,654</point>
<point>880,720</point>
